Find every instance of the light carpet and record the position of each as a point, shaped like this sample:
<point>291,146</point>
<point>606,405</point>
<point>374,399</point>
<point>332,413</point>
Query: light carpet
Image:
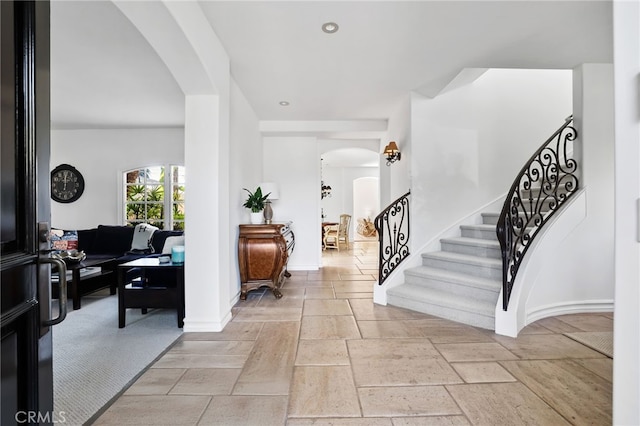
<point>601,341</point>
<point>94,360</point>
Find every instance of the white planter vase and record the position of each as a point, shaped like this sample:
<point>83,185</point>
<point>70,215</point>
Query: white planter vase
<point>256,218</point>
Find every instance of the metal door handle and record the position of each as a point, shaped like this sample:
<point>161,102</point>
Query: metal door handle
<point>62,291</point>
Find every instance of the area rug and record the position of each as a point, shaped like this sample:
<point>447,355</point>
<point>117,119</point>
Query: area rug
<point>94,360</point>
<point>601,341</point>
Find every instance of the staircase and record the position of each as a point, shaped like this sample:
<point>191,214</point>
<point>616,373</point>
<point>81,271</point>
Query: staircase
<point>462,282</point>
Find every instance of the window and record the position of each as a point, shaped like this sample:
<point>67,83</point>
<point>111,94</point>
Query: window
<point>155,197</point>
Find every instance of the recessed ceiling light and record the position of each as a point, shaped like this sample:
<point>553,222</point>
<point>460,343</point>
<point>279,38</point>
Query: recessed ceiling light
<point>330,27</point>
<point>283,103</point>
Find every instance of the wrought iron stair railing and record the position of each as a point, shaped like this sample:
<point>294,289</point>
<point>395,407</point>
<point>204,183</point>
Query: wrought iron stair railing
<point>543,185</point>
<point>392,225</point>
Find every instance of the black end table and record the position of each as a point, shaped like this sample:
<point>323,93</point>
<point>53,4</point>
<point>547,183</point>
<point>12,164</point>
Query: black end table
<point>75,290</point>
<point>135,291</point>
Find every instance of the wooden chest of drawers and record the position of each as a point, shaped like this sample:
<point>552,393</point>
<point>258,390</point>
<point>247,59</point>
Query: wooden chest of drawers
<point>263,252</point>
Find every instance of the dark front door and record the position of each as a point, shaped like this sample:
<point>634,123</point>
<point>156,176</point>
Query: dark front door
<point>26,351</point>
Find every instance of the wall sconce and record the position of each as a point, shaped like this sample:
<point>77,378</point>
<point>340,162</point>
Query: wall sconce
<point>392,153</point>
<point>325,190</point>
<point>274,193</point>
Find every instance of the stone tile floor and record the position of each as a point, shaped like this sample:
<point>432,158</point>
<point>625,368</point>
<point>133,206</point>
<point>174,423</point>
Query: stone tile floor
<point>324,354</point>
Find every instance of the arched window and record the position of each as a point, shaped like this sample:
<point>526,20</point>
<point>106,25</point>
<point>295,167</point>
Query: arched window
<point>155,195</point>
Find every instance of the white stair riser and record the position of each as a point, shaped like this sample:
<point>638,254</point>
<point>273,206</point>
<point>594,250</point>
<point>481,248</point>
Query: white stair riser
<point>466,268</point>
<point>462,290</point>
<point>479,251</point>
<point>485,234</point>
<point>452,314</point>
<point>490,218</point>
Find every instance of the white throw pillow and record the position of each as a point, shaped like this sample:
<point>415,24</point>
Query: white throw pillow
<point>142,237</point>
<point>177,240</point>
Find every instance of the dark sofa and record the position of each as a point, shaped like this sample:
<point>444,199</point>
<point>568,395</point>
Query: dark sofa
<point>108,241</point>
<point>113,243</point>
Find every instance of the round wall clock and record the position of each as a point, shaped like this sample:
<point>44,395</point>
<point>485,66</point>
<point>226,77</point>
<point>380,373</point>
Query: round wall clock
<point>67,184</point>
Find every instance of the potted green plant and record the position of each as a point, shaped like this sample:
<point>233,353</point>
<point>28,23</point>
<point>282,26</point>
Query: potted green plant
<point>255,202</point>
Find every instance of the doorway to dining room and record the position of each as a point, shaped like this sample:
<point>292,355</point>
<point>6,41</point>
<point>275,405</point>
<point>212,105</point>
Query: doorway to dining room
<point>350,185</point>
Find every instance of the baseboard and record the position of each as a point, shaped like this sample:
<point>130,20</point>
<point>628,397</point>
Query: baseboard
<point>566,308</point>
<point>191,326</point>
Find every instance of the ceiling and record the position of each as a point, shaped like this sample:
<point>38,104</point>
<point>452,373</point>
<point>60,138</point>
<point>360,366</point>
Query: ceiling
<point>104,74</point>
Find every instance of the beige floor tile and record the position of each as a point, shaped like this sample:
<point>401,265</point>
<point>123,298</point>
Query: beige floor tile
<point>482,372</point>
<point>154,410</point>
<point>352,295</point>
<point>459,352</point>
<point>398,362</point>
<point>294,300</point>
<point>603,367</point>
<point>156,381</point>
<point>226,347</point>
<point>503,404</point>
<point>200,361</point>
<point>326,391</point>
<point>326,307</point>
<point>356,277</point>
<point>323,276</point>
<point>322,352</point>
<point>578,394</point>
<point>437,330</point>
<point>206,381</point>
<point>556,326</point>
<point>364,309</point>
<point>245,411</point>
<point>535,328</point>
<point>547,346</point>
<point>431,421</point>
<point>369,421</point>
<point>232,331</point>
<point>316,284</point>
<point>588,322</point>
<point>267,314</point>
<point>320,293</point>
<point>344,266</point>
<point>329,327</point>
<point>406,401</point>
<point>353,286</point>
<point>268,368</point>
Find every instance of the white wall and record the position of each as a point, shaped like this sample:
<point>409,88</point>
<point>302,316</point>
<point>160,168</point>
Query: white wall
<point>468,144</point>
<point>245,158</point>
<point>102,156</point>
<point>626,365</point>
<point>293,163</point>
<point>366,201</point>
<point>395,180</point>
<point>566,279</point>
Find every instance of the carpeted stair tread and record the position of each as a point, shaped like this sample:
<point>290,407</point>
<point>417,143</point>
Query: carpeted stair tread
<point>428,272</point>
<point>468,241</point>
<point>464,258</point>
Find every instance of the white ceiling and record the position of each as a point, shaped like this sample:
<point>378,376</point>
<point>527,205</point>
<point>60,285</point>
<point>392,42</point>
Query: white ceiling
<point>104,73</point>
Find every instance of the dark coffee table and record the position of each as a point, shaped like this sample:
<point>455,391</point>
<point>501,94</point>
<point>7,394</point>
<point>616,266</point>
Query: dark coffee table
<point>135,291</point>
<point>91,282</point>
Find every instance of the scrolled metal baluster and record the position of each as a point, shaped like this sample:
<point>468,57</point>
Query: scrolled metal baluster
<point>392,225</point>
<point>521,220</point>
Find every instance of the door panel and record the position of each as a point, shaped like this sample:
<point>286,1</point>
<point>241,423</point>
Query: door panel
<point>27,380</point>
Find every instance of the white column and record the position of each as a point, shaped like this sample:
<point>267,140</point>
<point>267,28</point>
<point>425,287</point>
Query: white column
<point>626,364</point>
<point>207,264</point>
